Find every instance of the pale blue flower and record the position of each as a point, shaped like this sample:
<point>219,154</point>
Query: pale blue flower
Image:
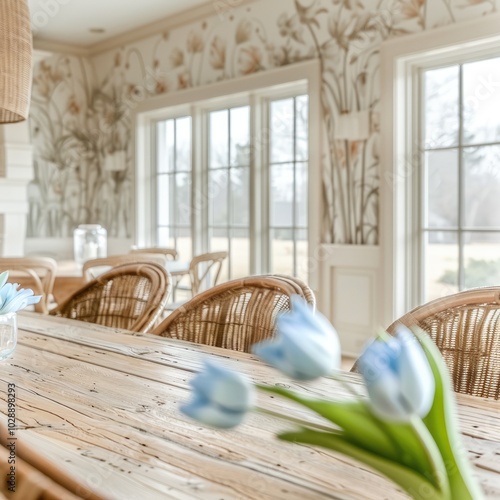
<point>306,345</point>
<point>12,299</point>
<point>398,377</point>
<point>221,398</point>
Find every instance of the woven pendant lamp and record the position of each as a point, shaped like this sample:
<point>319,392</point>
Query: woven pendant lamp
<point>16,52</point>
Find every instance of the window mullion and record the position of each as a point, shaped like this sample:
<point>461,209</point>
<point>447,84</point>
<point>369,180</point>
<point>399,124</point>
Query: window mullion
<point>257,193</point>
<point>461,191</point>
<point>198,184</point>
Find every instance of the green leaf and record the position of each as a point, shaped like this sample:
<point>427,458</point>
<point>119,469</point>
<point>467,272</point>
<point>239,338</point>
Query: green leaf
<point>351,416</point>
<point>443,425</point>
<point>415,484</point>
<point>399,442</point>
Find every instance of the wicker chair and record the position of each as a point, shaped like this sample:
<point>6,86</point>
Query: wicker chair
<point>168,253</point>
<point>130,296</point>
<point>41,273</point>
<point>201,267</point>
<point>233,315</point>
<point>94,267</point>
<point>466,329</point>
<point>301,288</point>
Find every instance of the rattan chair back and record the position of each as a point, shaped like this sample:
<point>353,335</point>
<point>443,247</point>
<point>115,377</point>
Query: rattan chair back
<point>130,296</point>
<point>466,328</point>
<point>94,267</point>
<point>169,253</point>
<point>205,267</point>
<point>233,315</point>
<point>41,272</point>
<point>300,286</point>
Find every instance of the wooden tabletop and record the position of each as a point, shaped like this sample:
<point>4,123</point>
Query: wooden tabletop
<point>103,404</point>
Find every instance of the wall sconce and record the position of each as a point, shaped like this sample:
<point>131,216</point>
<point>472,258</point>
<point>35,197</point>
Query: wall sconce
<point>353,126</point>
<point>16,54</point>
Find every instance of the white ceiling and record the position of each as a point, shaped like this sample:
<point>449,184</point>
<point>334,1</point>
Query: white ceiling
<point>69,21</point>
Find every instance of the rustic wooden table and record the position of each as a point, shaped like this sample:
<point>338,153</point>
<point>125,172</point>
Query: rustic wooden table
<point>103,404</point>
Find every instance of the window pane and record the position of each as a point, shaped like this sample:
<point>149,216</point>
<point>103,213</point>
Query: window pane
<point>240,136</point>
<point>240,253</point>
<point>240,197</point>
<point>219,139</point>
<point>442,188</point>
<point>481,96</point>
<point>301,194</point>
<point>302,254</point>
<point>302,131</point>
<point>482,186</point>
<point>163,205</point>
<point>282,251</point>
<point>182,196</point>
<point>218,213</point>
<point>281,195</point>
<point>282,128</point>
<point>184,243</point>
<point>165,238</point>
<point>183,137</point>
<point>441,264</point>
<point>441,107</point>
<point>165,146</point>
<point>481,259</point>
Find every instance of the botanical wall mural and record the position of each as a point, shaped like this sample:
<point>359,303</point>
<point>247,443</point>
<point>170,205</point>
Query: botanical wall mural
<point>81,111</point>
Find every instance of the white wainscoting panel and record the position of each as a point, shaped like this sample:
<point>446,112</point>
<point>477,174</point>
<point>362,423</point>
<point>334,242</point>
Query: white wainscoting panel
<point>350,292</point>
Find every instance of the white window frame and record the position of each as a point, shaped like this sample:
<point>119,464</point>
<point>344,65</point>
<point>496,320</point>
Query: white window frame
<point>256,90</point>
<point>401,63</point>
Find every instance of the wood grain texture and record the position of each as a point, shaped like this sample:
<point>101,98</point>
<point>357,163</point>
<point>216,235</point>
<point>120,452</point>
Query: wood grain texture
<point>103,404</point>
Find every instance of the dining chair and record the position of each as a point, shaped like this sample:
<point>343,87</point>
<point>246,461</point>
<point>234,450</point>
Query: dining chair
<point>233,315</point>
<point>35,477</point>
<point>466,328</point>
<point>94,267</point>
<point>301,287</point>
<point>169,253</point>
<point>130,296</point>
<point>41,272</point>
<point>204,270</point>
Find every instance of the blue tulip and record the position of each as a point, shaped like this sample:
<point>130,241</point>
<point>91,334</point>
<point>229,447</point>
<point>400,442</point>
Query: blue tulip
<point>12,299</point>
<point>398,377</point>
<point>221,398</point>
<point>306,346</point>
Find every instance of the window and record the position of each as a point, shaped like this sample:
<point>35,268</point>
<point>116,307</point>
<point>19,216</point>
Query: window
<point>288,178</point>
<point>229,188</point>
<point>461,177</point>
<point>236,178</point>
<point>438,163</point>
<point>235,165</point>
<point>174,184</point>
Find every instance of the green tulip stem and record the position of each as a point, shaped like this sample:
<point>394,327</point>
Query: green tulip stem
<point>296,421</point>
<point>440,477</point>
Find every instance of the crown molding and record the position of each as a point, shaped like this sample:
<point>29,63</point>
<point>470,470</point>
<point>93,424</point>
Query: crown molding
<point>169,23</point>
<point>51,47</point>
<point>209,9</point>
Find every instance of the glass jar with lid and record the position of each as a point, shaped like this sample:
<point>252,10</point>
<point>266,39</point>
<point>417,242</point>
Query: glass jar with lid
<point>90,242</point>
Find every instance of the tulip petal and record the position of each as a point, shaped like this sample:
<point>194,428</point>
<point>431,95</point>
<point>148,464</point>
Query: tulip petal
<point>412,363</point>
<point>306,345</point>
<point>3,278</point>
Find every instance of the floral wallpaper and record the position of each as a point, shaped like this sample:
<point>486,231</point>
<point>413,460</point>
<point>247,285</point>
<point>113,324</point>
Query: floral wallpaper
<point>81,109</point>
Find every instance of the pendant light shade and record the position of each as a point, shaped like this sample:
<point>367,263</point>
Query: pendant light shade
<point>16,52</point>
